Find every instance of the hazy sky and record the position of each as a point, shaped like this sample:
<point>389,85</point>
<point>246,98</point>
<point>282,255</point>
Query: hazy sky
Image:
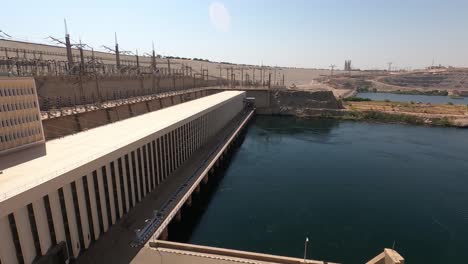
<point>308,33</point>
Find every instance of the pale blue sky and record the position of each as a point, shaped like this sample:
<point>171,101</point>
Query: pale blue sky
<point>301,33</point>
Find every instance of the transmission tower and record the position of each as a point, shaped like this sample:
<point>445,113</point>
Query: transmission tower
<point>332,67</point>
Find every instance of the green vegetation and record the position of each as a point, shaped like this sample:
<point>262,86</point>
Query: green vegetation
<point>357,99</point>
<point>391,118</point>
<point>377,116</point>
<point>450,103</point>
<point>366,89</point>
<point>444,121</point>
<point>417,92</point>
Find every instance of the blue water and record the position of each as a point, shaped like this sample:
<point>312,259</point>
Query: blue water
<point>433,99</point>
<point>352,188</point>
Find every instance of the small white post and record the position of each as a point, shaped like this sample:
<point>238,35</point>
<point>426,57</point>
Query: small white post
<point>305,248</point>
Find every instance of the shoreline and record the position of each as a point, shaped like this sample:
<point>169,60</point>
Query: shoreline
<point>375,117</point>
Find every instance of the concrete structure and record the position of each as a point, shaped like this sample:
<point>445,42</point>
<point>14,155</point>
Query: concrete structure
<point>166,252</point>
<point>388,256</point>
<point>20,120</point>
<point>86,182</point>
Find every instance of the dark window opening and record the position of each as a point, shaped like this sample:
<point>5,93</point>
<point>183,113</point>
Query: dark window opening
<point>106,195</point>
<point>98,201</point>
<point>135,182</point>
<point>122,185</point>
<point>65,220</point>
<point>15,236</point>
<point>140,170</point>
<point>114,190</point>
<point>129,185</point>
<point>77,214</point>
<point>50,220</point>
<point>35,234</point>
<point>88,207</point>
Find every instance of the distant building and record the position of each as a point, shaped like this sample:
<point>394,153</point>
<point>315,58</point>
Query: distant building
<point>20,119</point>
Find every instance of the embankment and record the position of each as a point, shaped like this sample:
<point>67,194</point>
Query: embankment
<point>300,103</point>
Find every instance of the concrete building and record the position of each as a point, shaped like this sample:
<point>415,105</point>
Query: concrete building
<point>59,203</point>
<point>20,121</point>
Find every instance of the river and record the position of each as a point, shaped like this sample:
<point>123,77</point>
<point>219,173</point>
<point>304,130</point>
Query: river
<point>351,188</point>
<point>433,99</point>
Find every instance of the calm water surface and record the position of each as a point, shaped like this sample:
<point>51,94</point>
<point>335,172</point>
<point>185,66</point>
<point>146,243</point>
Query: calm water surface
<point>433,99</point>
<point>352,188</point>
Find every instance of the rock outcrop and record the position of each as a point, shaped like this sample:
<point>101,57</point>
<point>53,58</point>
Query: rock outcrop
<point>302,103</point>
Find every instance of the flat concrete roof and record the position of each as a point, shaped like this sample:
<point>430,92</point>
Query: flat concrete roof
<point>68,153</point>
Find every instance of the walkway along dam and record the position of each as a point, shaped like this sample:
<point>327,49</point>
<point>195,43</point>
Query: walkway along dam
<point>108,194</point>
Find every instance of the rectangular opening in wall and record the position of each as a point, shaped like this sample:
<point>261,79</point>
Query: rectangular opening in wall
<point>145,168</point>
<point>88,207</point>
<point>140,170</point>
<point>159,157</point>
<point>98,201</point>
<point>129,183</point>
<point>150,165</point>
<point>114,189</point>
<point>15,236</point>
<point>65,220</point>
<point>122,185</point>
<point>77,214</point>
<point>135,175</point>
<point>50,220</point>
<point>155,161</point>
<point>35,234</point>
<point>106,195</point>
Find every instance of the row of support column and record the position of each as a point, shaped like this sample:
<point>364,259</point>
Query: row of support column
<point>80,211</point>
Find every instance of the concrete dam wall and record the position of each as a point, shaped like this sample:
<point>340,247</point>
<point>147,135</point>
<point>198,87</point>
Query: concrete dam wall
<point>62,91</point>
<point>70,124</point>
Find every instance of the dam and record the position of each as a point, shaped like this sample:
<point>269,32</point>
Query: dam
<point>97,163</point>
<point>113,168</point>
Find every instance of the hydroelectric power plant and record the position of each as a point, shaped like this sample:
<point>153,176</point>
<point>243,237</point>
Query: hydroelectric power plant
<point>155,162</point>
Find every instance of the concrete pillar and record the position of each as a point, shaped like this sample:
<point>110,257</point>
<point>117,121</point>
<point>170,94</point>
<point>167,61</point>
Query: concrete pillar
<point>143,171</point>
<point>156,165</point>
<point>125,182</point>
<point>110,190</point>
<point>24,234</point>
<point>171,153</point>
<point>83,212</point>
<point>205,179</point>
<point>163,160</point>
<point>92,202</point>
<point>72,223</point>
<point>57,217</point>
<point>117,183</point>
<point>102,198</point>
<point>7,246</point>
<point>177,143</point>
<point>186,140</point>
<point>150,166</point>
<point>165,234</point>
<point>132,177</point>
<point>178,216</point>
<point>40,216</point>
<point>189,201</point>
<point>138,176</point>
<point>148,176</point>
<point>190,139</point>
<point>197,189</point>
